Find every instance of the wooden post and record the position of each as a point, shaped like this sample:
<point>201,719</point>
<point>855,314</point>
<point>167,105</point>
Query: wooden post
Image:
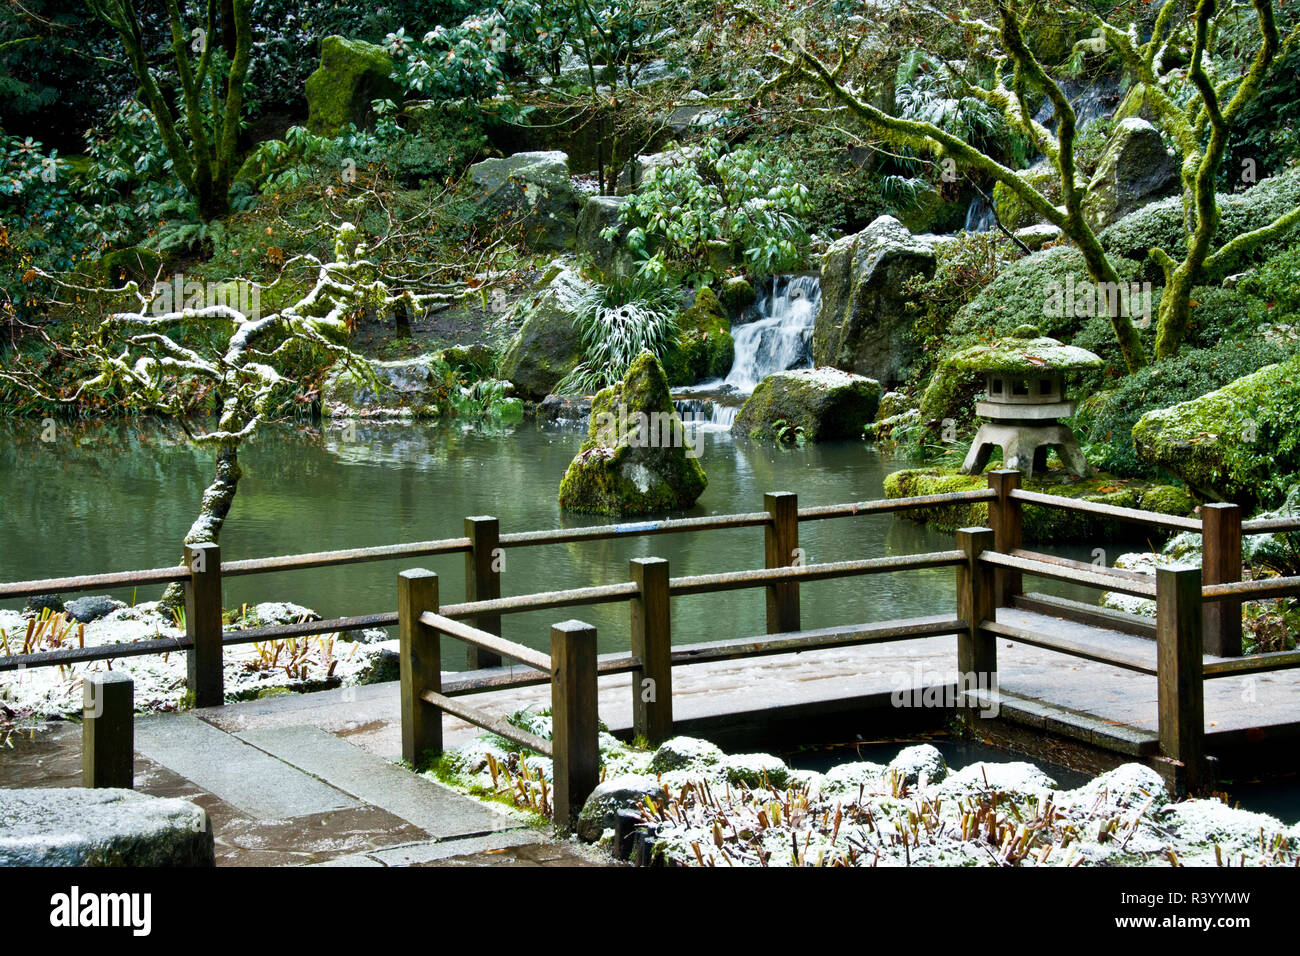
<point>108,730</point>
<point>483,583</point>
<point>652,682</point>
<point>420,663</point>
<point>1005,520</point>
<point>1179,665</point>
<point>977,650</point>
<point>780,547</point>
<point>203,624</point>
<point>1221,564</point>
<point>574,729</point>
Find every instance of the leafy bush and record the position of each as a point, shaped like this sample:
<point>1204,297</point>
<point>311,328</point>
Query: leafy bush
<point>740,199</point>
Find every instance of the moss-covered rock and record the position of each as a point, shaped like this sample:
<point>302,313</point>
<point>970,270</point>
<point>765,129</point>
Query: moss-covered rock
<point>737,295</point>
<point>533,187</point>
<point>821,404</point>
<point>1041,525</point>
<point>548,345</point>
<point>1162,223</point>
<point>1134,170</point>
<point>411,386</point>
<point>134,263</point>
<point>863,324</point>
<point>1012,211</point>
<point>476,360</point>
<point>1240,443</point>
<point>352,74</point>
<point>704,348</point>
<point>610,256</point>
<point>636,458</point>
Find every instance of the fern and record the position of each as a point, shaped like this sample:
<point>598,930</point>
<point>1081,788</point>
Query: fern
<point>618,322</point>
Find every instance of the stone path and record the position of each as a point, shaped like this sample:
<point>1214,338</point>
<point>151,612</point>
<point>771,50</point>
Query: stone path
<point>297,795</point>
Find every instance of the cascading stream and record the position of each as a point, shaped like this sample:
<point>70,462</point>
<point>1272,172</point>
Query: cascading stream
<point>779,339</point>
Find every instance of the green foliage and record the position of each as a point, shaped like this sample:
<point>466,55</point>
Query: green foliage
<point>617,323</point>
<point>743,199</point>
<point>1105,420</point>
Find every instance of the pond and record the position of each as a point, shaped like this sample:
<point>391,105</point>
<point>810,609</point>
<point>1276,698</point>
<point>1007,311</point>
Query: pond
<point>120,497</point>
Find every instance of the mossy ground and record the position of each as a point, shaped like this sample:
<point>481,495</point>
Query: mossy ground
<point>1040,525</point>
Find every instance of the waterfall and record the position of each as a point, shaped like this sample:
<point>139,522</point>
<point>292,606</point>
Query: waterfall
<point>781,338</point>
<point>979,215</point>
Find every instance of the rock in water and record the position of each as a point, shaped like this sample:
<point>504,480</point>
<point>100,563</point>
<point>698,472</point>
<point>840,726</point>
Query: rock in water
<point>535,187</point>
<point>863,325</point>
<point>548,344</point>
<point>77,827</point>
<point>822,404</point>
<point>1134,170</point>
<point>637,458</point>
<point>352,74</point>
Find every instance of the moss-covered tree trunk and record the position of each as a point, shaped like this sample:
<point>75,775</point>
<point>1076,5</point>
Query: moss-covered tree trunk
<point>218,498</point>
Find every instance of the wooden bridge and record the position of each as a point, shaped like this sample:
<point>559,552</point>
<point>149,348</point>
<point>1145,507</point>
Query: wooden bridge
<point>1194,638</point>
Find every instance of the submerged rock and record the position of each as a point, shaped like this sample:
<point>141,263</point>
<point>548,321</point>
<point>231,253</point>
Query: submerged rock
<point>822,404</point>
<point>636,459</point>
<point>863,325</point>
<point>351,76</point>
<point>79,827</point>
<point>548,344</point>
<point>536,188</point>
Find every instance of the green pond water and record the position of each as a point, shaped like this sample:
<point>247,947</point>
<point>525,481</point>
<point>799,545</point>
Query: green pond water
<point>122,497</point>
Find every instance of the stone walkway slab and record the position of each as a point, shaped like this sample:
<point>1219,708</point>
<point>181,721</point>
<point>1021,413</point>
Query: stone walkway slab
<point>241,775</point>
<point>440,812</point>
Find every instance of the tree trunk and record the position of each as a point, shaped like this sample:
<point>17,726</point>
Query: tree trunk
<point>217,499</point>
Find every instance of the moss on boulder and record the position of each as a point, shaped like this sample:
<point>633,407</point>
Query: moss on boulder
<point>636,459</point>
<point>134,263</point>
<point>1041,525</point>
<point>1239,443</point>
<point>823,404</point>
<point>352,74</point>
<point>1135,169</point>
<point>1012,211</point>
<point>548,345</point>
<point>1162,223</point>
<point>535,188</point>
<point>863,324</point>
<point>704,348</point>
<point>737,295</point>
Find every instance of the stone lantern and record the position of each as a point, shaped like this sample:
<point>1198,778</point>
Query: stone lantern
<point>1025,398</point>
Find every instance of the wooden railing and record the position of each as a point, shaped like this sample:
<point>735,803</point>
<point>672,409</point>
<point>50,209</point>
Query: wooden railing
<point>991,562</point>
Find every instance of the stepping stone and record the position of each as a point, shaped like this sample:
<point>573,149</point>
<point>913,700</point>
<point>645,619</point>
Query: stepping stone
<point>438,811</point>
<point>243,776</point>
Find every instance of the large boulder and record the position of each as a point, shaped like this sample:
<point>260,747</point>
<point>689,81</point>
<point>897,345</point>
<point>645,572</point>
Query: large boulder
<point>1134,170</point>
<point>636,459</point>
<point>863,325</point>
<point>403,387</point>
<point>822,404</point>
<point>352,74</point>
<point>534,187</point>
<point>611,256</point>
<point>548,345</point>
<point>1240,443</point>
<point>80,827</point>
<point>704,349</point>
